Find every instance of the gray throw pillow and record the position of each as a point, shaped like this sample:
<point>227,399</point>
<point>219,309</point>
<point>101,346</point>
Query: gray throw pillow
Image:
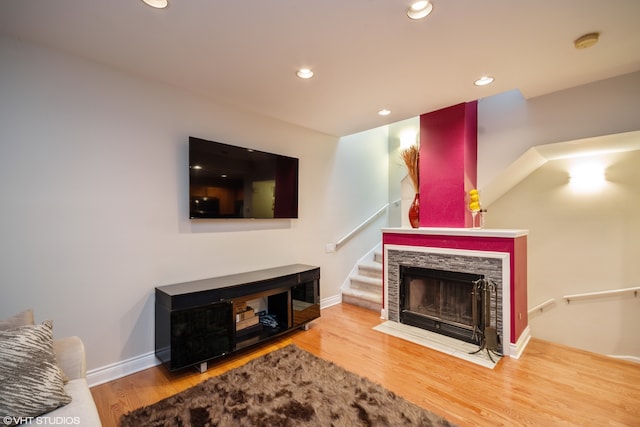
<point>30,381</point>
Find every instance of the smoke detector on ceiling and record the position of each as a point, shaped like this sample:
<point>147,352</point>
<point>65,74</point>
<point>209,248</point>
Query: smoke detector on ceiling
<point>586,40</point>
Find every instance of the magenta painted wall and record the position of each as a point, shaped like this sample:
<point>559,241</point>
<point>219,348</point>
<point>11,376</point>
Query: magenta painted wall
<point>516,247</point>
<point>448,165</point>
<point>448,170</point>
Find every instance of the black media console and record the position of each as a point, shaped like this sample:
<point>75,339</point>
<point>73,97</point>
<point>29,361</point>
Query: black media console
<point>201,320</point>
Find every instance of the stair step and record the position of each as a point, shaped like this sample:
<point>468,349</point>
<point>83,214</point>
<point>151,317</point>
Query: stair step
<point>366,283</point>
<point>370,269</point>
<point>369,305</point>
<point>364,295</point>
<point>365,288</point>
<point>368,300</point>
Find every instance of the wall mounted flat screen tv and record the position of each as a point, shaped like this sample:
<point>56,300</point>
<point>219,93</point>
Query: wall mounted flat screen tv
<point>227,181</point>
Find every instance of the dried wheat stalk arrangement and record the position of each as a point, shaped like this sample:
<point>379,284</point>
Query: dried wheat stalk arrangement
<point>410,156</point>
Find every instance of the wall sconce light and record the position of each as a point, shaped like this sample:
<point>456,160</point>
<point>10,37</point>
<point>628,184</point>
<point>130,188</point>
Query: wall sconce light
<point>407,139</point>
<point>587,177</point>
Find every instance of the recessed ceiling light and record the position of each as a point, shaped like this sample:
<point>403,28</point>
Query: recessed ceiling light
<point>304,73</point>
<point>384,112</point>
<point>158,4</point>
<point>419,9</point>
<point>484,80</point>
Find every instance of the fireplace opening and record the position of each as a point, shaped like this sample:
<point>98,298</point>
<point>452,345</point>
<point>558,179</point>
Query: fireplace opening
<point>441,301</point>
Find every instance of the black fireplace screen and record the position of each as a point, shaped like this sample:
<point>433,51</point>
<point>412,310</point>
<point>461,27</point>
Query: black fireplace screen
<point>440,301</point>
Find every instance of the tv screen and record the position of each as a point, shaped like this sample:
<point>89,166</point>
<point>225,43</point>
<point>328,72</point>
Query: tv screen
<point>227,181</point>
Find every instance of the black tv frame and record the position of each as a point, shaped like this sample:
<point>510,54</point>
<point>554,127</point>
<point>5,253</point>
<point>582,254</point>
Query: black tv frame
<point>233,182</point>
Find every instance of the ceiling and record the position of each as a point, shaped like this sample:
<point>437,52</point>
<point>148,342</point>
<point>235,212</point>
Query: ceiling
<point>366,54</point>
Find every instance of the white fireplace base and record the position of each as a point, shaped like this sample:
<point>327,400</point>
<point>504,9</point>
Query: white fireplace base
<point>438,342</point>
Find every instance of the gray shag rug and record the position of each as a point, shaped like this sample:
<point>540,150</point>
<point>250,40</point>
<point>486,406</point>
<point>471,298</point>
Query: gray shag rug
<point>287,387</point>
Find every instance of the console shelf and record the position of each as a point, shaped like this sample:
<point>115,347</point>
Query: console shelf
<point>196,322</point>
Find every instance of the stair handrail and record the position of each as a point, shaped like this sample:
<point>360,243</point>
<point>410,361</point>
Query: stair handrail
<point>365,223</point>
<point>540,307</point>
<point>634,289</point>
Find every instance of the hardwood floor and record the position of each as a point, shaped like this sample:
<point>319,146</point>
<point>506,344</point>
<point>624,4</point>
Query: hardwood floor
<point>550,385</point>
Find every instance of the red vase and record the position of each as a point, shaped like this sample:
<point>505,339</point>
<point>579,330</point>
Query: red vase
<point>414,212</point>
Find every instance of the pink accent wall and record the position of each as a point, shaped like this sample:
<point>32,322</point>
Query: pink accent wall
<point>516,247</point>
<point>448,165</point>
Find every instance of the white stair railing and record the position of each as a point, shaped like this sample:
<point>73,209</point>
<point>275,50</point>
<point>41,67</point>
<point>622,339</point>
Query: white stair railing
<point>364,224</point>
<point>602,294</point>
<point>540,307</point>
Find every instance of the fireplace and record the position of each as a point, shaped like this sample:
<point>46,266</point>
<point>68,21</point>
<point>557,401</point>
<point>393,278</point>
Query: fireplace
<point>497,258</point>
<point>446,302</point>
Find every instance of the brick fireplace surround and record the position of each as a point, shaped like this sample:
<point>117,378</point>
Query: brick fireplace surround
<point>500,255</point>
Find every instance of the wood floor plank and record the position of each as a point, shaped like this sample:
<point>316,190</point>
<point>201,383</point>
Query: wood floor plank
<point>549,385</point>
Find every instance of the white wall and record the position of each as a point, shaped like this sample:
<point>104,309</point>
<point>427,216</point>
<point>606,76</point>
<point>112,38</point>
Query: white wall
<point>93,189</point>
<point>508,124</point>
<point>355,190</point>
<point>578,242</point>
<point>400,187</point>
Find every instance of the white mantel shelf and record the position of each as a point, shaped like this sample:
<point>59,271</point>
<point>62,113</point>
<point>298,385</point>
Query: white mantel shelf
<point>469,232</point>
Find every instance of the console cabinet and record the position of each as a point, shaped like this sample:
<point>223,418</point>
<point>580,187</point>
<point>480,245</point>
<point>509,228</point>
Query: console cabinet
<point>196,322</point>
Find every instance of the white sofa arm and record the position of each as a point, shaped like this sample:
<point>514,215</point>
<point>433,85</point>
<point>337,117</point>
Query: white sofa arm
<point>70,356</point>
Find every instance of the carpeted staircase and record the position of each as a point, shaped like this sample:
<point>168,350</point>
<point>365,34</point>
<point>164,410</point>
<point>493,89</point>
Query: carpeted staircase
<point>364,287</point>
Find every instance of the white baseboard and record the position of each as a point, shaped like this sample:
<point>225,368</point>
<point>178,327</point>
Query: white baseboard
<point>329,301</point>
<point>121,369</point>
<point>634,359</point>
<point>148,360</point>
<point>516,350</point>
